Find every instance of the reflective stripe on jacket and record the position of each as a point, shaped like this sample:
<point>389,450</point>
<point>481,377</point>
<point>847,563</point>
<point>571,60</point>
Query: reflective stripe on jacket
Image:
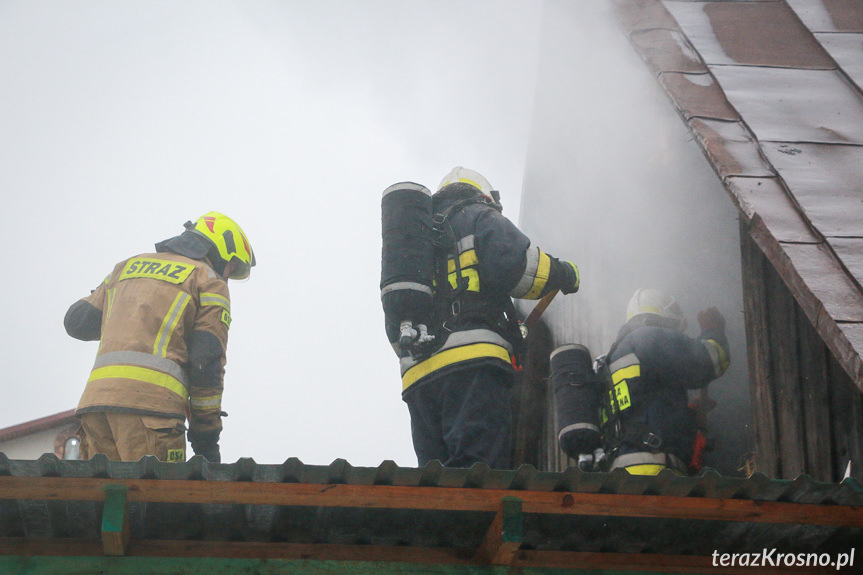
<point>498,262</point>
<point>652,367</point>
<point>150,306</point>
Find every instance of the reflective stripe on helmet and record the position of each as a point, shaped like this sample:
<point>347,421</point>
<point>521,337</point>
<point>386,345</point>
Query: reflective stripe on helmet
<point>140,374</point>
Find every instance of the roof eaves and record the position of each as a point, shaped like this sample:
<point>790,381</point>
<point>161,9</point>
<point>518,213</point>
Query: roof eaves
<point>37,425</point>
<point>295,511</point>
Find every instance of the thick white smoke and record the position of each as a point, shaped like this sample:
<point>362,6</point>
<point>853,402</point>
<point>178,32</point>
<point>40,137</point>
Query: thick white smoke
<point>615,183</point>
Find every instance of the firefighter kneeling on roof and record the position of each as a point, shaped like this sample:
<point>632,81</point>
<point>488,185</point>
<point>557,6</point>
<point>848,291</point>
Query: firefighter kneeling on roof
<point>162,320</point>
<point>451,262</point>
<point>630,408</point>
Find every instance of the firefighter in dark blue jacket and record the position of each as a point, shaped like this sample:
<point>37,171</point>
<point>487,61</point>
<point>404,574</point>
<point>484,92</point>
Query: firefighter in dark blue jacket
<point>649,425</point>
<point>457,386</point>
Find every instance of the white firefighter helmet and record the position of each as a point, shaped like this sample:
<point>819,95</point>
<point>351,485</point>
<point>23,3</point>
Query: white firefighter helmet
<point>656,302</point>
<point>463,175</point>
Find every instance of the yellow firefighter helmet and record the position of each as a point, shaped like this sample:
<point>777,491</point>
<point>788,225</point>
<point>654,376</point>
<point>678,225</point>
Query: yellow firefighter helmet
<point>230,241</point>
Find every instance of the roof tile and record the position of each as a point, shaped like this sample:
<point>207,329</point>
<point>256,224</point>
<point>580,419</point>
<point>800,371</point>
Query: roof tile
<point>698,95</point>
<point>731,148</point>
<point>794,105</point>
<point>751,33</point>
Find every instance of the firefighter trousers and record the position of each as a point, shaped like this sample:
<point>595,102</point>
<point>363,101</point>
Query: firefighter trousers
<point>129,437</point>
<point>463,418</point>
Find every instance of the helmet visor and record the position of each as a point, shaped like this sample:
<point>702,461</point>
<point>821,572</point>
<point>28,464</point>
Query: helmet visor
<point>241,269</point>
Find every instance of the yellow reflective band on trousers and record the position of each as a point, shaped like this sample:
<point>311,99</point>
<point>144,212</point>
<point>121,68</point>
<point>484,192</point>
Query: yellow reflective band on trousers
<point>173,316</point>
<point>140,374</point>
<point>644,469</point>
<point>452,356</point>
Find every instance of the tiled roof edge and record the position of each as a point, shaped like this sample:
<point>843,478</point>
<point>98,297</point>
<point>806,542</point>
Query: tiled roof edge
<point>640,18</point>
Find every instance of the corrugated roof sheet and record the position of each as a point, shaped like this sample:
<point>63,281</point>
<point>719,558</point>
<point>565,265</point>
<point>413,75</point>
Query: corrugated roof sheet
<point>772,91</point>
<point>295,510</point>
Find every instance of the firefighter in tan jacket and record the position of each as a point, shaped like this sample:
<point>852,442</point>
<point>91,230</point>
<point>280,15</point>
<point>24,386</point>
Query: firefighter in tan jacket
<point>162,320</point>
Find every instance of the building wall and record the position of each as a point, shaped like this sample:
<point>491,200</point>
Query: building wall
<point>808,412</point>
<point>33,445</point>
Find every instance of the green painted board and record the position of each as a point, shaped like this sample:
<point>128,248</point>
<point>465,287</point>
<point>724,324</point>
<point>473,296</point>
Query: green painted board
<point>13,565</point>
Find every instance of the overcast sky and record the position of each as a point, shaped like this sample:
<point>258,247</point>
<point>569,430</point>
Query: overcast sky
<point>119,121</point>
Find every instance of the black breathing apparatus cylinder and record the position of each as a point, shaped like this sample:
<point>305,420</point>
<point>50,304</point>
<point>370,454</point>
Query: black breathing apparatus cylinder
<point>577,395</point>
<point>407,264</point>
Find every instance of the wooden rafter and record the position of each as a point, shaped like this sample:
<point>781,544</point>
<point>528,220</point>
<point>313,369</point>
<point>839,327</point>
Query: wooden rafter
<point>454,499</point>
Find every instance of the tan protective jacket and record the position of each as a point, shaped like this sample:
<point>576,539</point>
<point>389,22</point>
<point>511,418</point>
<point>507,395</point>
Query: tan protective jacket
<point>151,304</point>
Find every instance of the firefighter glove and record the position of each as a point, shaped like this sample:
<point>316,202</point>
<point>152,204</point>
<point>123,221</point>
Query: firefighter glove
<point>211,452</point>
<point>572,279</point>
<point>207,445</point>
<point>711,321</point>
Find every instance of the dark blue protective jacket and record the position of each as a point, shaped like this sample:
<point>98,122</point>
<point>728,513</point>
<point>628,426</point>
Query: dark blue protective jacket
<point>652,367</point>
<point>473,319</point>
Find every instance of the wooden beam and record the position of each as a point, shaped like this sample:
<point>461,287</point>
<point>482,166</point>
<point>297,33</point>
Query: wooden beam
<point>503,537</point>
<point>815,387</point>
<point>846,406</point>
<point>782,333</point>
<point>441,498</point>
<point>755,269</point>
<point>115,520</point>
